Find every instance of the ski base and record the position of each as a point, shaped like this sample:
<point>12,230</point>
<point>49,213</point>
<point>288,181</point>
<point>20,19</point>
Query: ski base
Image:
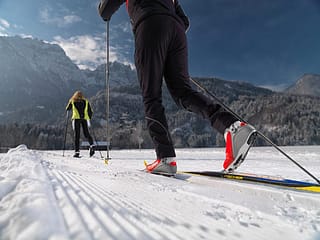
<point>263,179</point>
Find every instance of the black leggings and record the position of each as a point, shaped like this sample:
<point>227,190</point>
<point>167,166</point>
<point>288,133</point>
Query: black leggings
<point>77,125</point>
<point>161,51</point>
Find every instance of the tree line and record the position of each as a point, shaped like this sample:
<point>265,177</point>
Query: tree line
<point>285,119</point>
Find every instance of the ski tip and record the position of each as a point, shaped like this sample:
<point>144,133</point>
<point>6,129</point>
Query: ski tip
<point>145,163</point>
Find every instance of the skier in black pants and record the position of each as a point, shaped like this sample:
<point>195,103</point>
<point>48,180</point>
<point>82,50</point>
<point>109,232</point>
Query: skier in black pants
<point>81,115</point>
<point>159,28</point>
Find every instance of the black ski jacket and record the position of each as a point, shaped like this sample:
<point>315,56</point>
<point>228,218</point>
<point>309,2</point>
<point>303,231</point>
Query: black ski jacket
<point>139,10</point>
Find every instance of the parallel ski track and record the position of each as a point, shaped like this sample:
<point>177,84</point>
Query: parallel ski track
<point>102,213</point>
<point>82,195</point>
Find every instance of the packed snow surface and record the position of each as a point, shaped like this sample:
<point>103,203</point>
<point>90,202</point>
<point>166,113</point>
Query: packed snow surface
<point>45,195</point>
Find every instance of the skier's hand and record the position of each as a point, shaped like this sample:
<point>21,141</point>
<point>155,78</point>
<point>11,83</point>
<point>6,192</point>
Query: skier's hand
<point>182,15</point>
<point>102,10</point>
<point>89,123</point>
<point>107,8</point>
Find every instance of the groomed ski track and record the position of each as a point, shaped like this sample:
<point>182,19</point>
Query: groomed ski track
<point>117,201</point>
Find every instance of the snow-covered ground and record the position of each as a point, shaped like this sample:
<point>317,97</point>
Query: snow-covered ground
<point>47,196</point>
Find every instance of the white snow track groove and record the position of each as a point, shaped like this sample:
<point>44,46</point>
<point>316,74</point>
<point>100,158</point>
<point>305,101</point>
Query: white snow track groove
<point>44,195</point>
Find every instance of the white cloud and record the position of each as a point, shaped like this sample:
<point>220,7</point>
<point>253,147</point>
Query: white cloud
<point>124,27</point>
<point>22,35</point>
<point>46,16</point>
<point>70,19</point>
<point>276,88</point>
<point>4,23</point>
<point>85,50</point>
<point>3,32</point>
<point>4,26</point>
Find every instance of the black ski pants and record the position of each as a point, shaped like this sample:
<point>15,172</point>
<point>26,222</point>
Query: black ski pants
<point>77,125</point>
<point>161,52</point>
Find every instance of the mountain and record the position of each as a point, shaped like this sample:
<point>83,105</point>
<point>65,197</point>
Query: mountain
<point>37,79</point>
<point>286,119</point>
<point>119,75</point>
<point>35,76</point>
<point>308,84</point>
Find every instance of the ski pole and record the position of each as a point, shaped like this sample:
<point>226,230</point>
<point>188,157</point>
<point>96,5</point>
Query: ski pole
<point>258,132</point>
<point>280,150</point>
<point>107,158</point>
<point>217,99</point>
<point>65,133</point>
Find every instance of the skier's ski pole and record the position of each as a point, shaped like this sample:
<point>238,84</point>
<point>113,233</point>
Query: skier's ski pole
<point>65,133</point>
<point>280,150</point>
<point>258,132</point>
<point>107,158</point>
<point>217,99</point>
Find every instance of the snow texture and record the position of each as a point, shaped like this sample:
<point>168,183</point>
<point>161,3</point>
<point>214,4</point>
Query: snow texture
<point>45,195</point>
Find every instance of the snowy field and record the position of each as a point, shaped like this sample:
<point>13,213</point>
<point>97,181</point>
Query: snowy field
<point>47,196</point>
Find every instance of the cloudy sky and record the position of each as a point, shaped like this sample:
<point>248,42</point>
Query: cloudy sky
<point>265,42</point>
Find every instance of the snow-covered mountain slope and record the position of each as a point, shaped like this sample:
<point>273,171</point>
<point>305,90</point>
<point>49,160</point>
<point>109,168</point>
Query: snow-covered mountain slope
<point>47,196</point>
<point>35,70</point>
<point>308,84</point>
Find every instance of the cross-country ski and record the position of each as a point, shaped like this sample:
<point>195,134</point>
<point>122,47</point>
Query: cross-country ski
<point>255,179</point>
<point>276,181</point>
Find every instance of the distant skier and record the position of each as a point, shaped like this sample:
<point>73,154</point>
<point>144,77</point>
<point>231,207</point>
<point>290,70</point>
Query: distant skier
<point>81,115</point>
<point>159,28</point>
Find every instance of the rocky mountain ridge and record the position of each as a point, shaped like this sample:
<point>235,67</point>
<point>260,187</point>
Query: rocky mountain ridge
<point>38,79</point>
<point>308,84</point>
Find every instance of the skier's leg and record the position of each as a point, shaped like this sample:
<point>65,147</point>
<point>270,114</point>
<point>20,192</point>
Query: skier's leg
<point>77,137</point>
<point>238,135</point>
<point>178,83</point>
<point>151,44</point>
<point>86,133</point>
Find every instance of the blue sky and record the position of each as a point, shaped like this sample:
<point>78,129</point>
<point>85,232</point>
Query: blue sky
<point>265,42</point>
